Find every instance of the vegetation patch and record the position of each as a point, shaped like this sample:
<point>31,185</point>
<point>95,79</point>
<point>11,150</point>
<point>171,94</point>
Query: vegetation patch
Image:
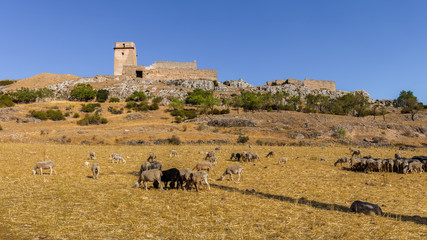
<point>92,120</point>
<point>54,115</point>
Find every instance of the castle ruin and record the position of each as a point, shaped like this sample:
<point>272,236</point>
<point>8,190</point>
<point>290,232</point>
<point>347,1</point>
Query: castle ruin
<point>125,64</point>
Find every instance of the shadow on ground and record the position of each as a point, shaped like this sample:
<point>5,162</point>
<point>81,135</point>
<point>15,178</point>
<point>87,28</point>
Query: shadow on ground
<point>316,204</point>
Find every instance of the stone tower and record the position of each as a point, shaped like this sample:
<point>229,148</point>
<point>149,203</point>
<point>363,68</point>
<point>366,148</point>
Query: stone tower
<point>124,54</point>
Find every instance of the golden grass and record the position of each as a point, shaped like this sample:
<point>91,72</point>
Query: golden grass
<point>305,198</point>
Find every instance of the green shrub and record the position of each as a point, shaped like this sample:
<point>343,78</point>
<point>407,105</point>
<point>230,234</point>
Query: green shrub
<point>114,99</point>
<point>67,114</point>
<point>178,119</point>
<point>242,139</point>
<point>6,82</point>
<point>157,100</point>
<point>174,140</point>
<point>200,127</point>
<point>6,101</point>
<point>102,95</point>
<point>42,115</point>
<point>83,92</point>
<point>23,95</point>
<point>114,110</point>
<point>76,115</point>
<point>154,106</point>
<point>137,96</point>
<point>340,133</point>
<point>90,107</point>
<point>186,114</point>
<point>55,115</point>
<point>92,120</point>
<point>45,93</point>
<point>1,128</point>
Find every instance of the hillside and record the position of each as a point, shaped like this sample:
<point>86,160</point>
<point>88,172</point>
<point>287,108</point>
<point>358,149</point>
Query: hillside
<point>41,80</point>
<point>284,127</point>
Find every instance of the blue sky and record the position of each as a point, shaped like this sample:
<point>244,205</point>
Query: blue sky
<point>378,46</point>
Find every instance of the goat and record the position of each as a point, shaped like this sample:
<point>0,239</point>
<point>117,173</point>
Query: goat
<point>118,157</point>
<point>270,154</point>
<point>341,161</point>
<point>365,208</point>
<point>92,155</point>
<point>355,152</point>
<point>203,166</point>
<point>151,157</point>
<point>235,156</point>
<point>95,170</point>
<point>213,160</point>
<point>150,165</point>
<point>235,169</point>
<point>197,178</point>
<point>173,153</point>
<point>44,165</point>
<point>218,149</point>
<point>415,167</point>
<point>171,175</point>
<point>185,178</point>
<point>283,160</point>
<point>152,175</point>
<point>210,155</point>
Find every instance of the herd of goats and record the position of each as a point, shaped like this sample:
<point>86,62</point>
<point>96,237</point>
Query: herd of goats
<point>151,170</point>
<point>416,164</point>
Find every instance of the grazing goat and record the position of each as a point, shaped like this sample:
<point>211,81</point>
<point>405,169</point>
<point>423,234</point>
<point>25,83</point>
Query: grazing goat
<point>355,152</point>
<point>218,149</point>
<point>283,160</point>
<point>235,156</point>
<point>152,175</point>
<point>171,175</point>
<point>151,157</point>
<point>203,166</point>
<point>366,208</point>
<point>95,170</point>
<point>150,165</point>
<point>118,157</point>
<point>270,154</point>
<point>197,178</point>
<point>185,178</point>
<point>213,160</point>
<point>397,156</point>
<point>235,169</point>
<point>341,161</point>
<point>209,155</point>
<point>173,153</point>
<point>44,165</point>
<point>92,155</point>
<point>415,167</point>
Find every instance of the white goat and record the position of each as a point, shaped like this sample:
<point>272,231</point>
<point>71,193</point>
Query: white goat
<point>44,165</point>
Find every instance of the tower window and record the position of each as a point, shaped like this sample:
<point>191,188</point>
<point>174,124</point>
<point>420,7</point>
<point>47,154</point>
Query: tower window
<point>124,45</point>
<point>123,53</point>
<point>139,74</point>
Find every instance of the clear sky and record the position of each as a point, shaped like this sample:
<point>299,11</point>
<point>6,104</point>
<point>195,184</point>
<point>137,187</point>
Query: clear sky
<point>376,45</point>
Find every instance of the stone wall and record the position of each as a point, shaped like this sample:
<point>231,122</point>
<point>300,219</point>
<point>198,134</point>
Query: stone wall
<point>309,83</point>
<point>319,84</point>
<point>180,74</point>
<point>173,65</point>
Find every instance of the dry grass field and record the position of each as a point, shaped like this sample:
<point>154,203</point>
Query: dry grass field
<point>303,199</point>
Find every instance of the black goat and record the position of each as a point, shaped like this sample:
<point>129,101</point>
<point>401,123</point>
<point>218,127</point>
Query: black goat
<point>171,175</point>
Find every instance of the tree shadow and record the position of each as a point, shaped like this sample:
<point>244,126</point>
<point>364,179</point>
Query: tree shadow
<point>316,204</point>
